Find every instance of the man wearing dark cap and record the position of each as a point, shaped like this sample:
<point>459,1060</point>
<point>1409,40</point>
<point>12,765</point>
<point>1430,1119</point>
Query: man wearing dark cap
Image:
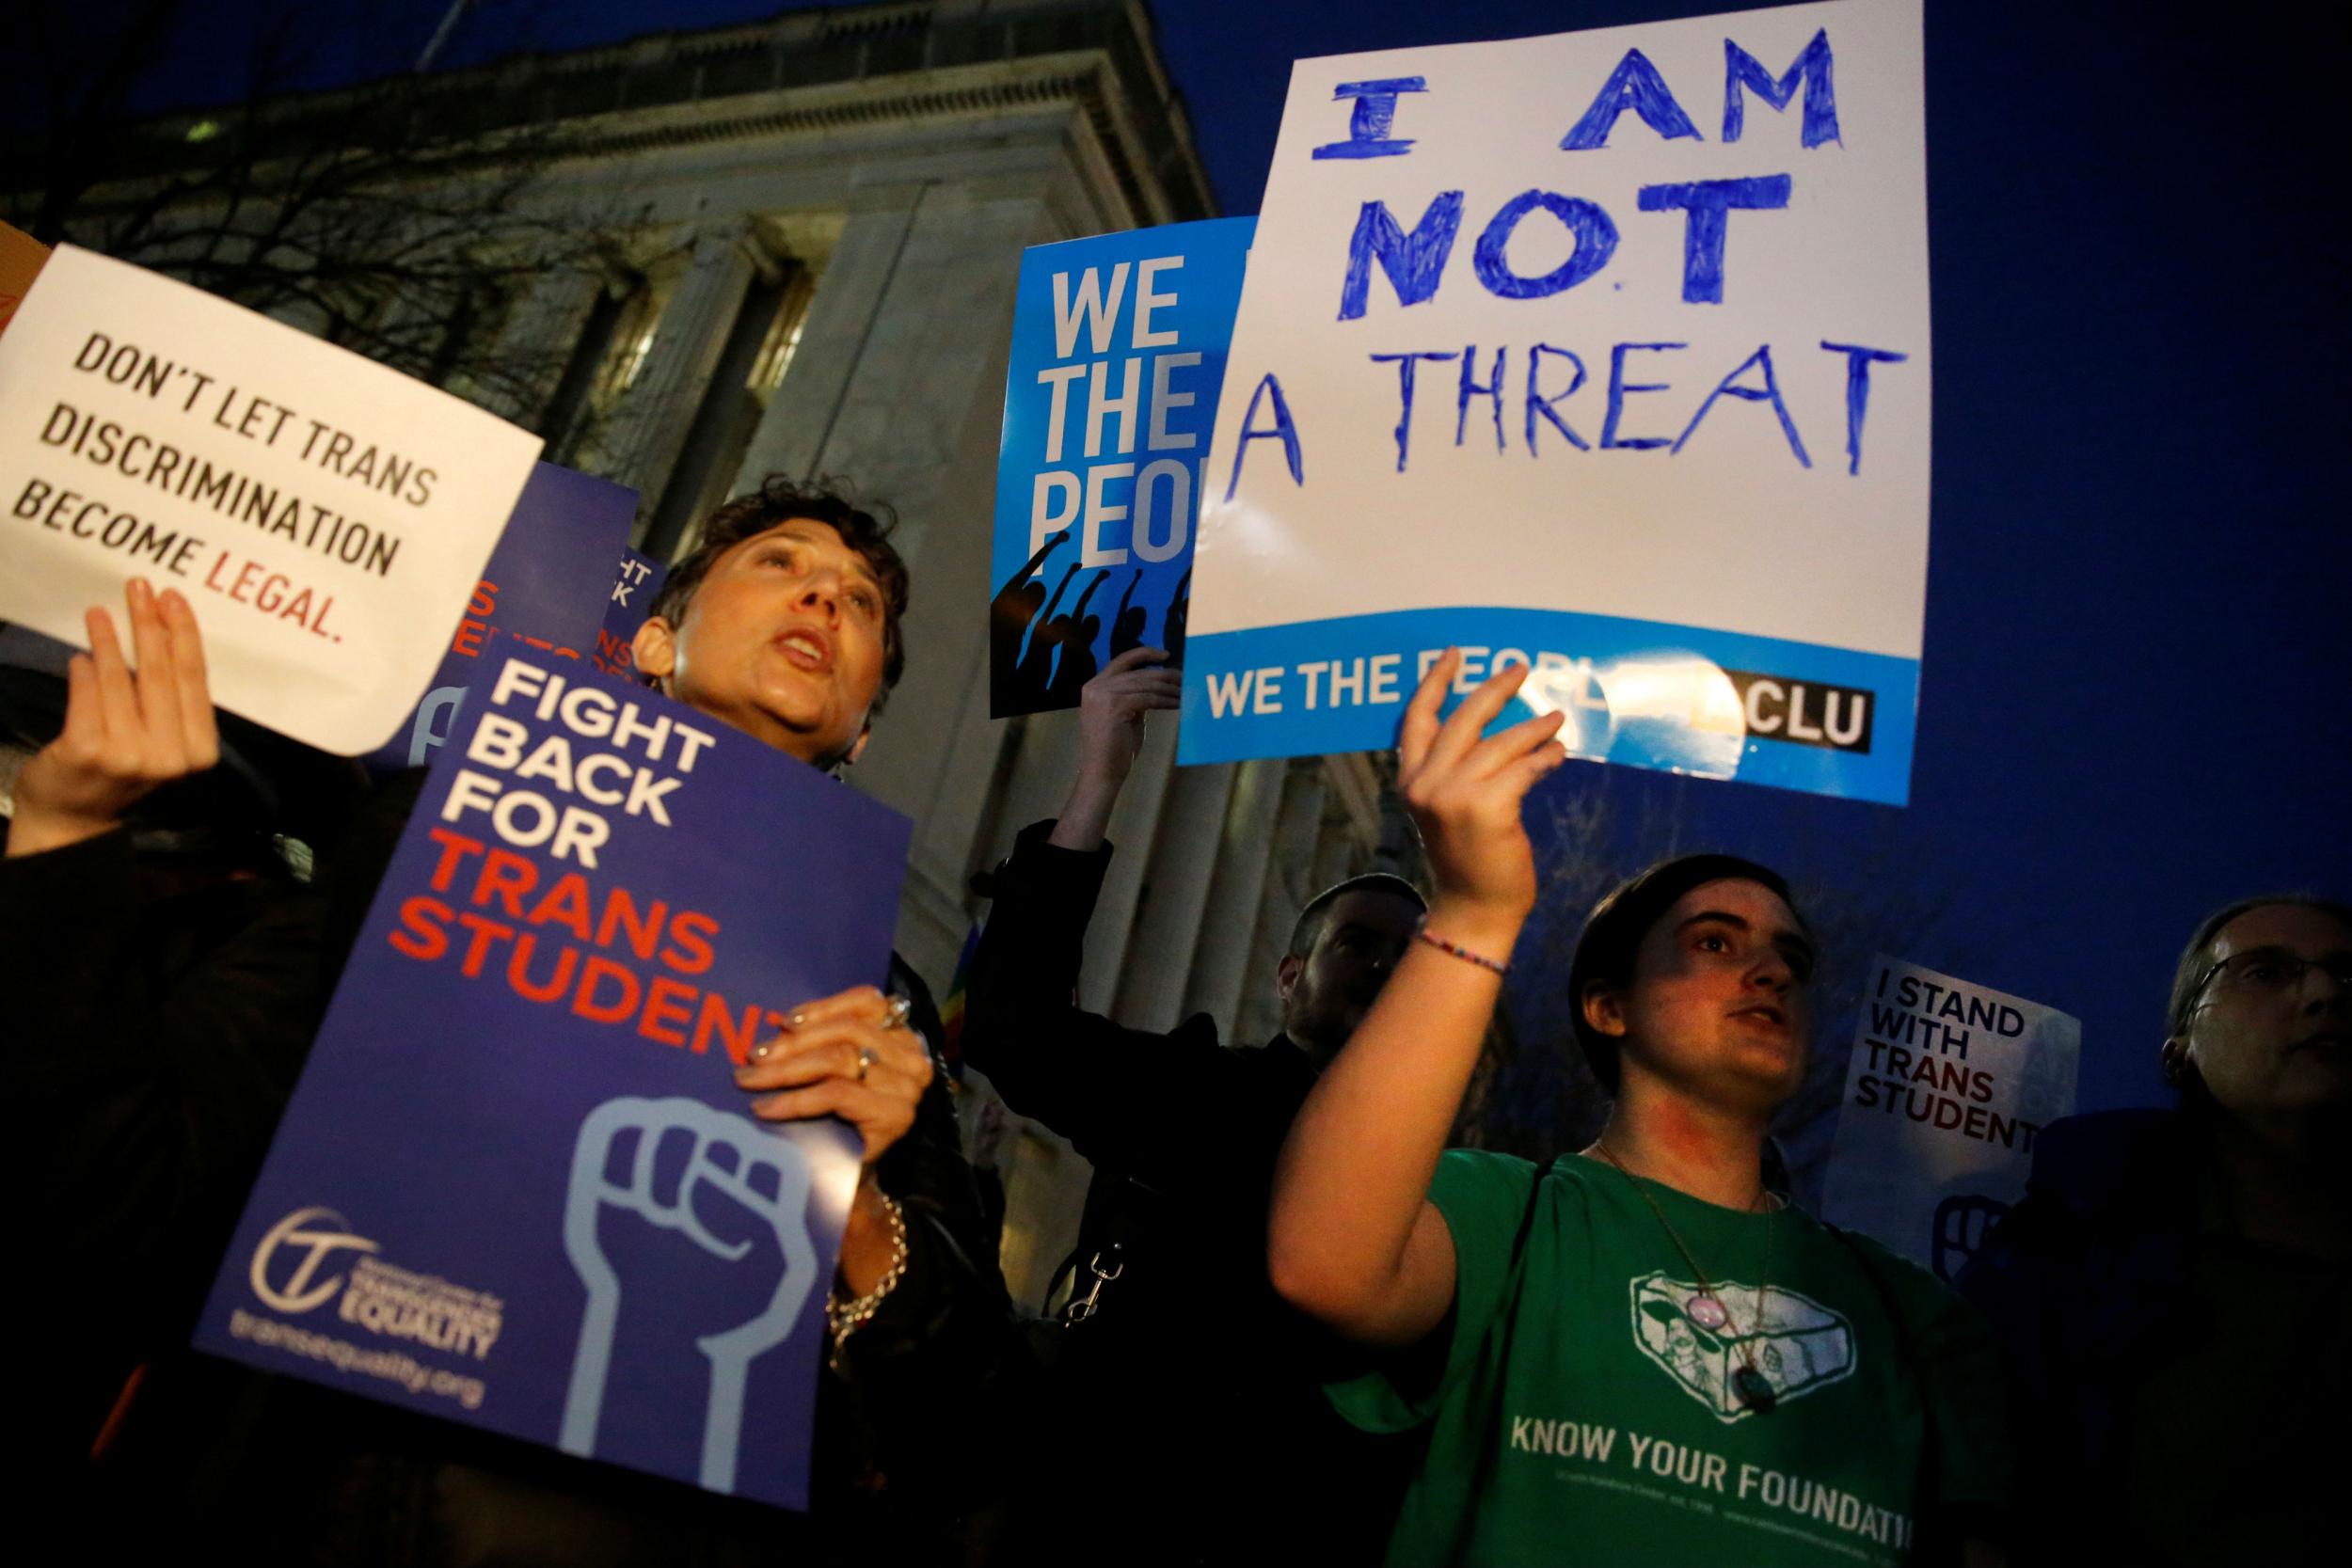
<point>1635,1355</point>
<point>1182,1378</point>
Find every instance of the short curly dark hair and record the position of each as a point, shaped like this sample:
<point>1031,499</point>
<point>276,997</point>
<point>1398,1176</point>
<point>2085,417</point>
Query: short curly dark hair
<point>779,499</point>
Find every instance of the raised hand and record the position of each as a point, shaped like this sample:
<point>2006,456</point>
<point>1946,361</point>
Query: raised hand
<point>1111,712</point>
<point>1465,792</point>
<point>125,733</point>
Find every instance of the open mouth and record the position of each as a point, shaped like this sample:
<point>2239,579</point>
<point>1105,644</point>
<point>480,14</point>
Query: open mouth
<point>1765,1011</point>
<point>807,649</point>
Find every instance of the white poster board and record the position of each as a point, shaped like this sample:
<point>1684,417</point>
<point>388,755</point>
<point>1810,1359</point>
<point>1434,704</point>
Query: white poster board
<point>1606,352</point>
<point>326,517</point>
<point>1949,1085</point>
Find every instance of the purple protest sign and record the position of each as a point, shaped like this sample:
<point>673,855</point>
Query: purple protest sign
<point>634,590</point>
<point>545,588</point>
<point>517,1187</point>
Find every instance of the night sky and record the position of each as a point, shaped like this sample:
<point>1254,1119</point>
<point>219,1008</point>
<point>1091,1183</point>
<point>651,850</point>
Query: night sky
<point>2134,688</point>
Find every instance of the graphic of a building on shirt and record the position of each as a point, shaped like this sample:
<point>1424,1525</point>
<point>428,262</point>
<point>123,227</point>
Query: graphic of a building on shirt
<point>1796,1343</point>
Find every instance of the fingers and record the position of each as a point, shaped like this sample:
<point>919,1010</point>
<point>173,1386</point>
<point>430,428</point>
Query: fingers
<point>1133,659</point>
<point>117,700</point>
<point>1498,751</point>
<point>1423,741</point>
<point>869,1075</point>
<point>1135,683</point>
<point>197,724</point>
<point>858,1001</point>
<point>85,729</point>
<point>1525,774</point>
<point>862,1051</point>
<point>1418,730</point>
<point>878,1117</point>
<point>1460,731</point>
<point>157,681</point>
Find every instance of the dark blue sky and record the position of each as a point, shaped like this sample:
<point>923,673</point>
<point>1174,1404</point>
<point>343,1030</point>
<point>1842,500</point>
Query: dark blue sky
<point>2134,695</point>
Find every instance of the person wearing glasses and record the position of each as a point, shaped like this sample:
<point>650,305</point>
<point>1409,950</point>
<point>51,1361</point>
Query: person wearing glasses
<point>2171,1291</point>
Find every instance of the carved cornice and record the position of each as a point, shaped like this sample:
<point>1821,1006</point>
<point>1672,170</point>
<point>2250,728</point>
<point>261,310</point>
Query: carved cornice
<point>802,74</point>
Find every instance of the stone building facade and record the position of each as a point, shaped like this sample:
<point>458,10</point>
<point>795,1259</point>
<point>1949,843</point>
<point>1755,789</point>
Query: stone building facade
<point>825,215</point>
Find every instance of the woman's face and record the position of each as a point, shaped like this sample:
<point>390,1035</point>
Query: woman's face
<point>784,641</point>
<point>1721,1002</point>
<point>2264,1044</point>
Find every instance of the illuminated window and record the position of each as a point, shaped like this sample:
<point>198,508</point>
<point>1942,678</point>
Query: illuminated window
<point>783,339</point>
<point>632,340</point>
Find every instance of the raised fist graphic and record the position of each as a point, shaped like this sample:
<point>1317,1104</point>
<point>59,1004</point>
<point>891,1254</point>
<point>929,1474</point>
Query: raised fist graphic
<point>730,1157</point>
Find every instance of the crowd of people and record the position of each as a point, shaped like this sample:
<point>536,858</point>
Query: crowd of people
<point>1301,1328</point>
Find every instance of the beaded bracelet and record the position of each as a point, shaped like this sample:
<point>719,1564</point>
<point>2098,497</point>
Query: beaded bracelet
<point>1462,952</point>
<point>845,1318</point>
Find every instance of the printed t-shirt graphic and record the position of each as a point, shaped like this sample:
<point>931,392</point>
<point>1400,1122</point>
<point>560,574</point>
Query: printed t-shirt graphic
<point>1607,1439</point>
<point>1800,1345</point>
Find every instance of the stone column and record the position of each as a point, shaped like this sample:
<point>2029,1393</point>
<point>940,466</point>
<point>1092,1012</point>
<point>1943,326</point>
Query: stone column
<point>1291,880</point>
<point>655,414</point>
<point>1236,888</point>
<point>1134,831</point>
<point>542,332</point>
<point>1166,932</point>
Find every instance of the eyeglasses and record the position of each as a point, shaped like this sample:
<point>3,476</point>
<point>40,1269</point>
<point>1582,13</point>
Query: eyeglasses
<point>2276,972</point>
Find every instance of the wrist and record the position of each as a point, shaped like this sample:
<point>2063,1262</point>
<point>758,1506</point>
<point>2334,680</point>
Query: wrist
<point>32,830</point>
<point>1087,813</point>
<point>1485,929</point>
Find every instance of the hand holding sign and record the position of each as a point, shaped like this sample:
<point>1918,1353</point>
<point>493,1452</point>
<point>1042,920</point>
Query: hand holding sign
<point>335,512</point>
<point>848,1055</point>
<point>1465,793</point>
<point>1112,707</point>
<point>125,733</point>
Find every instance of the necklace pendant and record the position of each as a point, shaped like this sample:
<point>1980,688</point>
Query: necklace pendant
<point>1753,1389</point>
<point>1706,1311</point>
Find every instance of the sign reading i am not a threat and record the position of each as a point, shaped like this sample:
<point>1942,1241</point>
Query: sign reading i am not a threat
<point>1117,354</point>
<point>1948,1086</point>
<point>1607,353</point>
<point>517,1187</point>
<point>328,518</point>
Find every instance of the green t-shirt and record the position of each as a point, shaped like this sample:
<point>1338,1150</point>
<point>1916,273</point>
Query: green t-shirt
<point>1604,1412</point>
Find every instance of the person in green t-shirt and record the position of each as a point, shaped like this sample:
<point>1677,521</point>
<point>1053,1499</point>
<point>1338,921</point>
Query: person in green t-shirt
<point>1635,1355</point>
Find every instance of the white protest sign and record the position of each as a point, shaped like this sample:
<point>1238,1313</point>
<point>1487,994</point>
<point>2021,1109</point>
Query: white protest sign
<point>1606,352</point>
<point>1949,1085</point>
<point>326,517</point>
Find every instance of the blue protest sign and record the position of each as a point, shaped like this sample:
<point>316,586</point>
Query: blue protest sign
<point>1606,354</point>
<point>545,588</point>
<point>1118,353</point>
<point>634,590</point>
<point>517,1187</point>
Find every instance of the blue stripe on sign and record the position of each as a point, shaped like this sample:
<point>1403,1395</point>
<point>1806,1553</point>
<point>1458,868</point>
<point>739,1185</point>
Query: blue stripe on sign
<point>1681,699</point>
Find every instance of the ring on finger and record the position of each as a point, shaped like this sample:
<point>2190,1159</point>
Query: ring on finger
<point>866,1057</point>
<point>894,1016</point>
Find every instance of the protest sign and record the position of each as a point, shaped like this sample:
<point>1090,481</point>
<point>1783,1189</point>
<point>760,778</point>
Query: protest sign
<point>328,518</point>
<point>1949,1085</point>
<point>634,590</point>
<point>1604,352</point>
<point>546,587</point>
<point>517,1187</point>
<point>1118,353</point>
<point>22,257</point>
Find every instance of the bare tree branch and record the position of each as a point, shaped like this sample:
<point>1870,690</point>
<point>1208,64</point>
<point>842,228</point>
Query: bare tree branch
<point>371,214</point>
